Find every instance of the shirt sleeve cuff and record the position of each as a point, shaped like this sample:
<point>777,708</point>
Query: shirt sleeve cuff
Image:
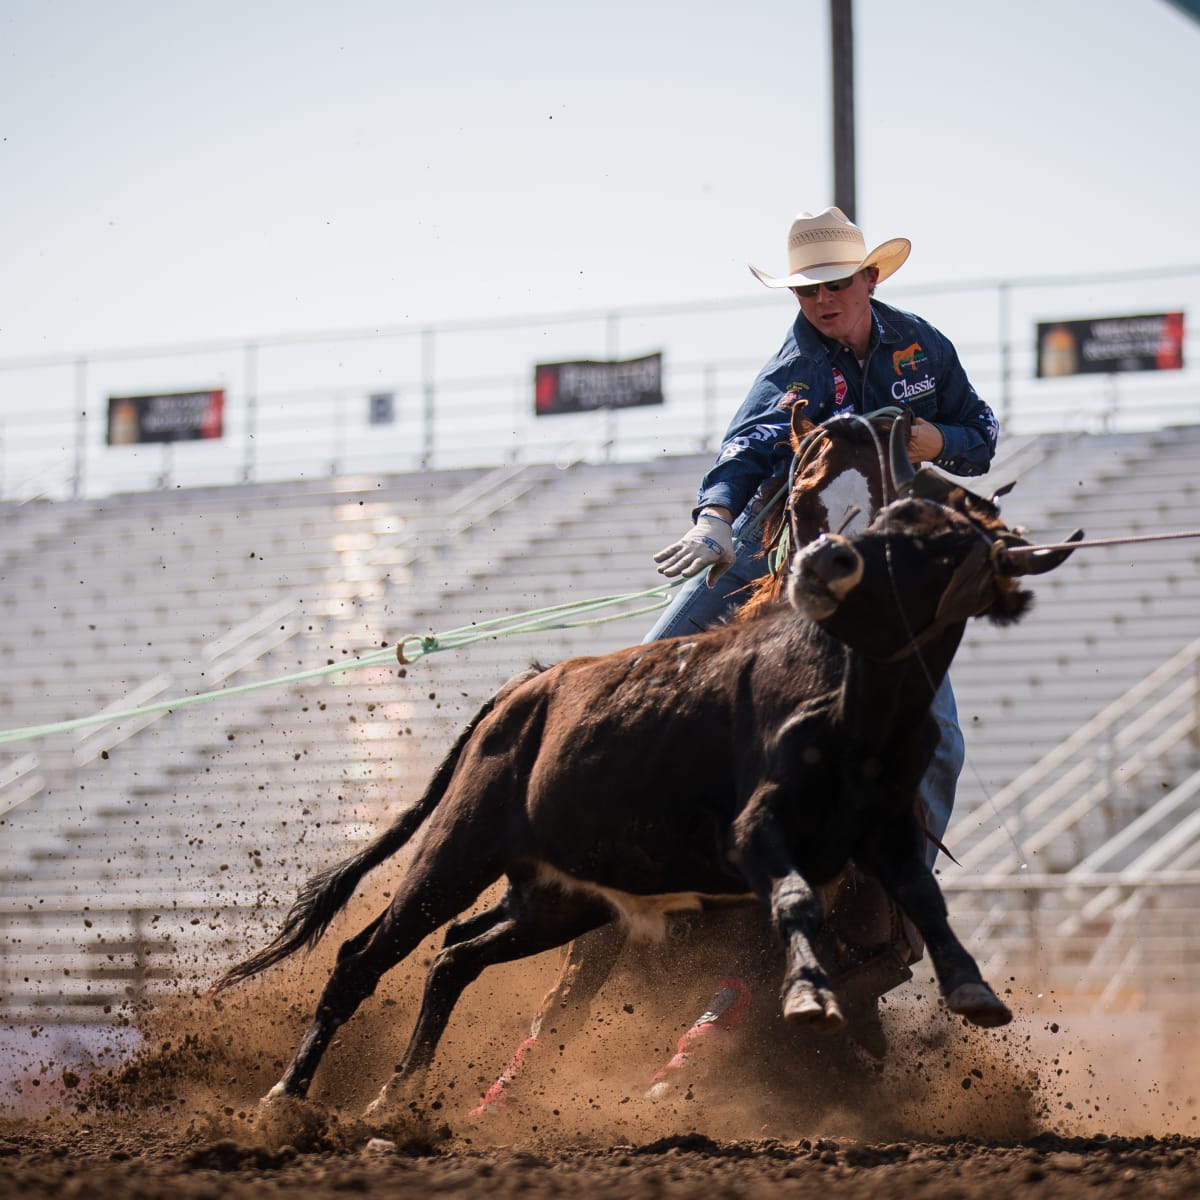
<point>719,496</point>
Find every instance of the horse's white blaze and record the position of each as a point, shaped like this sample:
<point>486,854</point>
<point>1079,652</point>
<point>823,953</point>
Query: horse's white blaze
<point>644,917</point>
<point>847,491</point>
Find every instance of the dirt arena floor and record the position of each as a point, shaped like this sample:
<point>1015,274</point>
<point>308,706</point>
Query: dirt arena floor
<point>1031,1110</point>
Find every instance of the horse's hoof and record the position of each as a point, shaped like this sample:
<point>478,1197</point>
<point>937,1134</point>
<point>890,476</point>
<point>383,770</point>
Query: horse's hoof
<point>816,1008</point>
<point>979,1004</point>
<point>396,1116</point>
<point>866,1030</point>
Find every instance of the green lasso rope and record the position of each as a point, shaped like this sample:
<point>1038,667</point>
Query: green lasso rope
<point>409,649</point>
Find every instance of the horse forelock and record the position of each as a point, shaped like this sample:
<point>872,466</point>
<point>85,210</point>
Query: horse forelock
<point>837,489</point>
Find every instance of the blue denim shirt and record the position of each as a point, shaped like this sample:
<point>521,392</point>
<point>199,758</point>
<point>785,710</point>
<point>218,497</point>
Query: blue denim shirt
<point>909,363</point>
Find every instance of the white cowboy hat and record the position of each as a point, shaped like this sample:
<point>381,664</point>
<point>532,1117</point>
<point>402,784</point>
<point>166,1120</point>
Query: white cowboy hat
<point>830,246</point>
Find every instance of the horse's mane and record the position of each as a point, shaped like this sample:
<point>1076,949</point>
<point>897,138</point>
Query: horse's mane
<point>766,590</point>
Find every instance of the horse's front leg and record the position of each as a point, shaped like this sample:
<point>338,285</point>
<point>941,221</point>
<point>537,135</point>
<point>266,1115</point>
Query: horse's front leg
<point>587,964</point>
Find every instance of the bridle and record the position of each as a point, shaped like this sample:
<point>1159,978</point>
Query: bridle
<point>969,590</point>
<point>788,538</point>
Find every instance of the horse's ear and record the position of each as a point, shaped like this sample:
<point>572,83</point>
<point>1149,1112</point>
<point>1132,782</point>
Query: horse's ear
<point>801,426</point>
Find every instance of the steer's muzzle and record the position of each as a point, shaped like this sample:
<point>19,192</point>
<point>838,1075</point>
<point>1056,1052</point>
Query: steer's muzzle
<point>822,573</point>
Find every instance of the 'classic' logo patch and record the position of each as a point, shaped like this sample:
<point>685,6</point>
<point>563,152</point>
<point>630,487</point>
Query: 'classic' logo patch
<point>910,356</point>
<point>907,390</point>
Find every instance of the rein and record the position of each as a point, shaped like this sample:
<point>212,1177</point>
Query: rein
<point>960,598</point>
<point>1133,539</point>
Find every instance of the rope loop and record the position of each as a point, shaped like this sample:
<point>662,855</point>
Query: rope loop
<point>426,644</point>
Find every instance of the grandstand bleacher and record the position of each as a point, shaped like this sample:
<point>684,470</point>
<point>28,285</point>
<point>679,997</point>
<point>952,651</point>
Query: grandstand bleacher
<point>154,848</point>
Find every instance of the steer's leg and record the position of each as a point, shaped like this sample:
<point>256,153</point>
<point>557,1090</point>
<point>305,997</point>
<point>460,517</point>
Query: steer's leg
<point>432,892</point>
<point>865,949</point>
<point>530,920</point>
<point>797,913</point>
<point>806,995</point>
<point>353,979</point>
<point>915,889</point>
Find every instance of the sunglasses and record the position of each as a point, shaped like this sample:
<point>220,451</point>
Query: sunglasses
<point>809,290</point>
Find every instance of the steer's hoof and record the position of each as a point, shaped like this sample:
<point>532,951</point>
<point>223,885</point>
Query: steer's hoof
<point>383,1107</point>
<point>979,1004</point>
<point>395,1100</point>
<point>814,1007</point>
<point>283,1120</point>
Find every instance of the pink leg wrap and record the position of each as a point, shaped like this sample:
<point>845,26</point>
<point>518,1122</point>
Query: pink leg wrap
<point>497,1094</point>
<point>708,1040</point>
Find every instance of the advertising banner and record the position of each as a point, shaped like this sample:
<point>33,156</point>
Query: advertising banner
<point>175,417</point>
<point>1103,345</point>
<point>573,387</point>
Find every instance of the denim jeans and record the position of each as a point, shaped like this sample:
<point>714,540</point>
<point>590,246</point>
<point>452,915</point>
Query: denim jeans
<point>697,606</point>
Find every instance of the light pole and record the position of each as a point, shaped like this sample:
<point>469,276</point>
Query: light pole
<point>841,25</point>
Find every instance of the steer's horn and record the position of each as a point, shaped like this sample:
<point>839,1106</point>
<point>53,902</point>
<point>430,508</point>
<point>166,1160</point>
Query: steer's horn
<point>903,472</point>
<point>1038,562</point>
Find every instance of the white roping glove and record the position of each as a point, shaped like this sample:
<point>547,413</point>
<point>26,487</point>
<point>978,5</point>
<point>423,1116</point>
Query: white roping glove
<point>709,543</point>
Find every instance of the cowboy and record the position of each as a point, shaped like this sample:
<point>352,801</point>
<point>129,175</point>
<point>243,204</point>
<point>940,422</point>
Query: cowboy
<point>846,352</point>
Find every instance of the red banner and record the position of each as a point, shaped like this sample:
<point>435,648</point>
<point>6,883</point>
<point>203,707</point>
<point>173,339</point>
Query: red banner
<point>573,387</point>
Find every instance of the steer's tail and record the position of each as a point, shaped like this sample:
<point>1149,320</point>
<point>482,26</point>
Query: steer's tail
<point>324,895</point>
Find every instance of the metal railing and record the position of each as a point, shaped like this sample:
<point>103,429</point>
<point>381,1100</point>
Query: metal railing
<point>249,643</point>
<point>20,780</point>
<point>298,405</point>
<point>1140,952</point>
<point>67,962</point>
<point>1156,715</point>
<point>1119,922</point>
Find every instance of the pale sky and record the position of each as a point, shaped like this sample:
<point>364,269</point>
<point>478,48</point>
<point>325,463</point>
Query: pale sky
<point>174,171</point>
